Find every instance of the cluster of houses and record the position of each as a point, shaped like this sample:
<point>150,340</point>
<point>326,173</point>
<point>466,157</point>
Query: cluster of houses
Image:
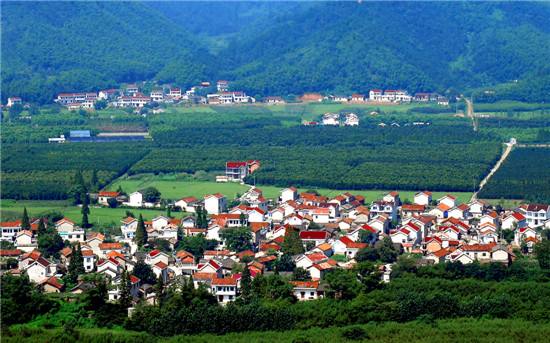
<point>132,96</point>
<point>336,119</point>
<point>378,96</point>
<point>332,230</point>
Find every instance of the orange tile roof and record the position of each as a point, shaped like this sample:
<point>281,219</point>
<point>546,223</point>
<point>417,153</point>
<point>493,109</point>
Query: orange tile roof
<point>110,246</point>
<point>305,284</point>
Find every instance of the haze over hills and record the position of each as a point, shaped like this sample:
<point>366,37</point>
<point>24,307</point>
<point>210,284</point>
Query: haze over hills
<point>277,48</point>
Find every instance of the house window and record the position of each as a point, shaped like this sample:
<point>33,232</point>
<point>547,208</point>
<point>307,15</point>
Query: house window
<point>302,294</point>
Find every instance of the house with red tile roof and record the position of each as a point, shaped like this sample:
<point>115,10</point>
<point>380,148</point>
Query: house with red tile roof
<point>103,197</point>
<point>10,230</point>
<point>51,285</point>
<point>317,237</point>
<point>224,289</point>
<point>307,290</point>
<point>345,246</point>
<point>513,220</point>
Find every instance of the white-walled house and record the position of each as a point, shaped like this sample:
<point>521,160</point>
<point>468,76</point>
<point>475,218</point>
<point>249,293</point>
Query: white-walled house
<point>290,193</point>
<point>215,203</point>
<point>423,198</point>
<point>513,220</point>
<point>535,214</point>
<point>448,200</point>
<point>224,289</point>
<point>306,290</point>
<point>135,200</point>
<point>128,228</point>
<point>69,231</point>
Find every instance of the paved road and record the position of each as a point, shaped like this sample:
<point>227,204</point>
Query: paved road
<point>505,154</point>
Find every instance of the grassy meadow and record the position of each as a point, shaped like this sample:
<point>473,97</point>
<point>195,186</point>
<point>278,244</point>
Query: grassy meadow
<point>175,187</point>
<point>99,216</point>
<point>429,331</point>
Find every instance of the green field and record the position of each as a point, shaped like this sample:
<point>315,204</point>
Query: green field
<point>443,331</point>
<point>99,216</point>
<point>175,187</point>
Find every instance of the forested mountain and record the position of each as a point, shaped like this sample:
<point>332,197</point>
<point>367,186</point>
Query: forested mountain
<point>49,47</point>
<point>415,45</point>
<point>277,48</point>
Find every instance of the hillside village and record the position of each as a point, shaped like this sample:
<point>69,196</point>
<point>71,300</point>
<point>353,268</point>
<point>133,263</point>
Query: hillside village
<point>133,96</point>
<point>308,232</point>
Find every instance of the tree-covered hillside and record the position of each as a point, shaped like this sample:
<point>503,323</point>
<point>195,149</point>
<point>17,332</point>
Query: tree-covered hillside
<point>352,46</point>
<point>48,47</point>
<point>277,48</point>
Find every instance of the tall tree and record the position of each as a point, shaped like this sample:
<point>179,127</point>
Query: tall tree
<point>76,264</point>
<point>41,227</point>
<point>144,272</point>
<point>159,290</point>
<point>168,212</point>
<point>85,211</point>
<point>25,223</point>
<point>292,244</point>
<point>542,252</point>
<point>94,182</point>
<point>237,239</point>
<point>246,285</point>
<point>125,285</point>
<point>141,233</point>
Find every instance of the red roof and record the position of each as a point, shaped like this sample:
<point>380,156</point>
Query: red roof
<point>518,216</point>
<point>134,279</point>
<point>478,247</point>
<point>313,235</point>
<point>224,282</point>
<point>161,265</point>
<point>351,244</point>
<point>154,253</point>
<point>110,246</point>
<point>305,284</point>
<point>10,252</point>
<point>413,207</point>
<point>233,164</point>
<point>87,253</point>
<point>53,281</point>
<point>109,194</point>
<point>16,223</point>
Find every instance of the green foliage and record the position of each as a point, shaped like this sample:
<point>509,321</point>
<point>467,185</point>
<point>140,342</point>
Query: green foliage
<point>196,245</point>
<point>25,224</point>
<point>383,251</point>
<point>51,175</point>
<point>524,175</point>
<point>21,301</point>
<point>76,264</point>
<point>95,62</point>
<point>125,299</point>
<point>237,239</point>
<point>144,272</point>
<point>50,242</point>
<point>292,245</point>
<point>300,274</point>
<point>150,194</point>
<point>141,233</point>
<point>542,252</point>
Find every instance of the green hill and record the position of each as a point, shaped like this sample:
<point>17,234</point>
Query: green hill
<point>277,48</point>
<point>49,47</point>
<point>347,46</point>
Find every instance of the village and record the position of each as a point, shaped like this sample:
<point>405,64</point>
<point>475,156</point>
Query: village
<point>132,96</point>
<point>325,233</point>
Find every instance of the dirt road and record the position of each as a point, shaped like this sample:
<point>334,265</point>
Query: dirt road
<point>503,157</point>
<point>470,112</point>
